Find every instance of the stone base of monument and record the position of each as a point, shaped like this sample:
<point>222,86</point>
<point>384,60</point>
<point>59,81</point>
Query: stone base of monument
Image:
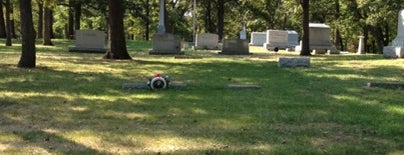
<point>385,85</point>
<point>276,47</point>
<point>166,44</point>
<point>145,86</point>
<point>235,47</point>
<point>333,52</point>
<point>87,50</point>
<point>292,62</point>
<point>393,52</point>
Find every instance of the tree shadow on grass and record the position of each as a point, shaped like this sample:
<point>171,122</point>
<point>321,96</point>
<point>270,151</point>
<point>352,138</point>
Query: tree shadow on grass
<point>317,113</point>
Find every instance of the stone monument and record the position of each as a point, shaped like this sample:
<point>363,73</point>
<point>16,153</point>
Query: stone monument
<point>236,46</point>
<point>396,50</point>
<point>258,38</point>
<point>320,42</point>
<point>89,41</point>
<point>361,46</point>
<point>243,33</point>
<point>276,40</point>
<point>207,41</point>
<point>165,43</point>
<point>293,40</point>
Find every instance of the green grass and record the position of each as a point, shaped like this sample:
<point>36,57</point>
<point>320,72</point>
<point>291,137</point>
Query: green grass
<point>73,103</point>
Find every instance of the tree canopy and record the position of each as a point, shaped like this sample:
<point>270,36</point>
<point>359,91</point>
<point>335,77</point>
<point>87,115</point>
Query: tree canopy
<point>374,19</point>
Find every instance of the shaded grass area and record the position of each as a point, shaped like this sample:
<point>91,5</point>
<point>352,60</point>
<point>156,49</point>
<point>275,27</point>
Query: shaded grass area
<point>73,103</point>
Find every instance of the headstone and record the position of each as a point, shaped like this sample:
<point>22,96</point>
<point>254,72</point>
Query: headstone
<point>258,38</point>
<point>294,62</point>
<point>207,41</point>
<point>91,41</point>
<point>276,40</point>
<point>361,46</point>
<point>320,41</point>
<point>166,44</point>
<point>235,47</point>
<point>293,40</point>
<point>396,50</point>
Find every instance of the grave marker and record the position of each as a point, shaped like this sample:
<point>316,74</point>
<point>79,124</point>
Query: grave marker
<point>91,41</point>
<point>396,50</point>
<point>207,41</point>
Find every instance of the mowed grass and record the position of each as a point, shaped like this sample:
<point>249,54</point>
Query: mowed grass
<point>73,103</point>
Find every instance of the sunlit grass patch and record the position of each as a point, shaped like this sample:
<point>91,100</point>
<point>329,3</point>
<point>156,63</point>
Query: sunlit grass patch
<point>73,103</point>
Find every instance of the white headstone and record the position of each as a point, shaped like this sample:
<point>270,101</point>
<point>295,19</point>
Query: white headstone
<point>397,48</point>
<point>276,39</point>
<point>258,38</point>
<point>207,41</point>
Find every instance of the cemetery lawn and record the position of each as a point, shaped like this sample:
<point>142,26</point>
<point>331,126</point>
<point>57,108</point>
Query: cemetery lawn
<point>73,103</point>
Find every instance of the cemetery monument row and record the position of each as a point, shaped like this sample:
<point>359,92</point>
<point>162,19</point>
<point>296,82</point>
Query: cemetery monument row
<point>91,41</point>
<point>162,42</point>
<point>396,50</point>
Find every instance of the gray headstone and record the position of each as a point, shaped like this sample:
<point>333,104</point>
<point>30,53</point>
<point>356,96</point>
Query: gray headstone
<point>235,47</point>
<point>166,44</point>
<point>294,62</point>
<point>89,41</point>
<point>207,41</point>
<point>361,45</point>
<point>293,39</point>
<point>396,50</point>
<point>258,38</point>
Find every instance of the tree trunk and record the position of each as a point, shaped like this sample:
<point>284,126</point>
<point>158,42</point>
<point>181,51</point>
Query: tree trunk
<point>116,35</point>
<point>40,21</point>
<point>77,15</point>
<point>365,39</point>
<point>3,33</point>
<point>28,56</point>
<point>70,23</point>
<point>8,24</point>
<point>47,33</point>
<point>306,36</point>
<point>220,18</point>
<point>147,26</point>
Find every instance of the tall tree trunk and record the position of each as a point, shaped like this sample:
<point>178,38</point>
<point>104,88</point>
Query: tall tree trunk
<point>47,33</point>
<point>8,23</point>
<point>337,34</point>
<point>306,35</point>
<point>28,55</point>
<point>3,33</point>
<point>40,21</point>
<point>147,26</point>
<point>365,39</point>
<point>117,42</point>
<point>70,23</point>
<point>220,18</point>
<point>77,15</point>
